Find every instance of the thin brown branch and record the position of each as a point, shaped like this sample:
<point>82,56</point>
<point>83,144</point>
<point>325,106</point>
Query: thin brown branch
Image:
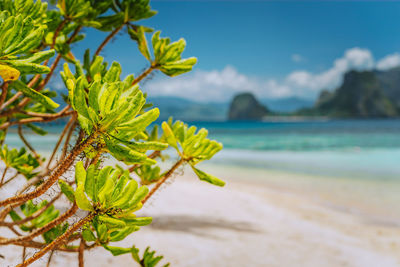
<point>58,241</point>
<point>22,137</point>
<point>57,32</point>
<point>41,230</point>
<point>69,135</point>
<point>81,253</point>
<point>23,254</point>
<point>35,244</point>
<point>61,169</point>
<point>34,215</point>
<point>10,179</point>
<point>4,92</point>
<point>163,179</point>
<point>46,115</point>
<point>4,175</point>
<point>107,39</point>
<point>71,120</point>
<point>144,74</point>
<point>50,257</point>
<point>36,119</point>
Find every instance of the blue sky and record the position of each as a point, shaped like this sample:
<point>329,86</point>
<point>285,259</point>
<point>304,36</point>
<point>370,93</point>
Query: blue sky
<point>273,48</point>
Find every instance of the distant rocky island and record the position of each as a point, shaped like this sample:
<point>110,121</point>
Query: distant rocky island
<point>363,94</point>
<point>246,107</point>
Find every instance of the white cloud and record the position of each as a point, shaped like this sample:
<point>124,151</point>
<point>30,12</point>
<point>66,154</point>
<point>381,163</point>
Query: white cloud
<point>297,58</point>
<point>221,85</point>
<point>205,85</point>
<point>388,62</point>
<point>355,58</point>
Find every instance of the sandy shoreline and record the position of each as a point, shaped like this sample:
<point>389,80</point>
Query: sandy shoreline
<point>253,223</point>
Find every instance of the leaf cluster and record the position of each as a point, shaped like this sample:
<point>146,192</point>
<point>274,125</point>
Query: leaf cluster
<point>20,160</point>
<point>193,146</point>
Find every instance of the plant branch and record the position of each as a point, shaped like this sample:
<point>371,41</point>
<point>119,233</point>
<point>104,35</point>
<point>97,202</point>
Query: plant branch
<point>37,119</point>
<point>81,253</point>
<point>71,120</point>
<point>163,179</point>
<point>21,136</point>
<point>4,175</point>
<point>70,132</point>
<point>4,92</point>
<point>41,230</point>
<point>107,39</point>
<point>35,244</point>
<point>10,179</point>
<point>61,168</point>
<point>50,257</point>
<point>144,74</point>
<point>58,241</point>
<point>34,215</point>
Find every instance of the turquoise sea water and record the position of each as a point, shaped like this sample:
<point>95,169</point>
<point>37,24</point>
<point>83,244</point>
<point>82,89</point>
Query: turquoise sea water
<point>348,148</point>
<point>345,148</point>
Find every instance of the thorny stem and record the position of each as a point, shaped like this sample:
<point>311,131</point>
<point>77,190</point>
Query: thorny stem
<point>58,241</point>
<point>162,180</point>
<point>62,167</point>
<point>107,39</point>
<point>41,230</point>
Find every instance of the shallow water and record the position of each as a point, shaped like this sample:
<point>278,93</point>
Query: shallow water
<point>344,148</point>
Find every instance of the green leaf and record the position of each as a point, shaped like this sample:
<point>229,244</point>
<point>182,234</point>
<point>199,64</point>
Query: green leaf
<point>140,221</point>
<point>116,251</point>
<point>67,190</point>
<point>111,222</point>
<point>36,129</point>
<point>126,195</point>
<point>124,154</point>
<point>139,195</point>
<point>79,99</point>
<point>102,232</point>
<point>139,36</point>
<point>80,174</point>
<point>29,92</point>
<point>88,235</point>
<point>90,182</point>
<point>81,200</point>
<point>169,135</point>
<point>120,235</point>
<point>208,177</point>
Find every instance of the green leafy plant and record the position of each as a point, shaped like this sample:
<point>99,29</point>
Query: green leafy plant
<point>104,115</point>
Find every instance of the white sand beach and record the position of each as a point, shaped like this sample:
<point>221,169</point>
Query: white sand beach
<point>250,222</point>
